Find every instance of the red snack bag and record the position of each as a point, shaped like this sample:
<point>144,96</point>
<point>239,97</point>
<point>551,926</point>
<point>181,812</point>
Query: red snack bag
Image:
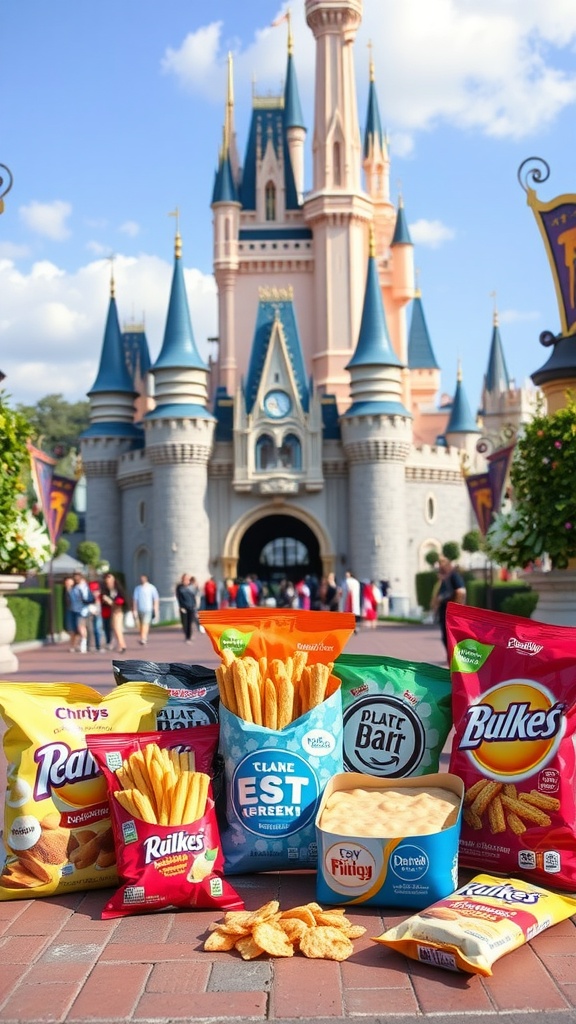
<point>165,829</point>
<point>514,711</point>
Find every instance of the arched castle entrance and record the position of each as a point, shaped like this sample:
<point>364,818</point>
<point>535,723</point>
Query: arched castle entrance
<point>277,542</point>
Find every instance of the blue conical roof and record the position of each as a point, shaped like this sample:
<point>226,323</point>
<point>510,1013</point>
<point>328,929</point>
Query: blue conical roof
<point>373,135</point>
<point>269,311</point>
<point>374,347</point>
<point>420,352</point>
<point>113,374</point>
<point>461,419</point>
<point>497,378</point>
<point>401,234</point>
<point>225,190</point>
<point>179,347</point>
<point>293,117</point>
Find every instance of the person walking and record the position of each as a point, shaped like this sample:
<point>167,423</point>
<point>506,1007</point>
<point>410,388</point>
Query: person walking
<point>145,606</point>
<point>352,596</point>
<point>113,608</point>
<point>211,594</point>
<point>80,599</point>
<point>95,622</point>
<point>452,588</point>
<point>186,599</point>
<point>69,620</point>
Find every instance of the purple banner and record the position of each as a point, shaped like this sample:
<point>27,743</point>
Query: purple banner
<point>61,494</point>
<point>480,491</point>
<point>557,222</point>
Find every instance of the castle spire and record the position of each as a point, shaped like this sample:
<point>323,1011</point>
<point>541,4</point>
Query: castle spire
<point>375,370</point>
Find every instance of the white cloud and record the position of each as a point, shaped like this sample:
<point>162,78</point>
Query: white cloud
<point>194,61</point>
<point>505,70</point>
<point>48,219</point>
<point>53,322</point>
<point>517,316</point>
<point>480,64</point>
<point>430,233</point>
<point>130,228</point>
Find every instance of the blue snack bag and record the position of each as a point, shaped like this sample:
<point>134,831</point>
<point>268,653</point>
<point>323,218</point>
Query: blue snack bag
<point>280,730</point>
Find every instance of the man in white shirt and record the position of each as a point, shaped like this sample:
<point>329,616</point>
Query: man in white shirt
<point>145,606</point>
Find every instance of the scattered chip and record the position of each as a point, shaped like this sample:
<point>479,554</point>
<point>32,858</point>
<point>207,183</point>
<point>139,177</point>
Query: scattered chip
<point>319,934</point>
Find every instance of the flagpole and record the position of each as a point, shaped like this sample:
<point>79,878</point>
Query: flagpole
<point>51,599</point>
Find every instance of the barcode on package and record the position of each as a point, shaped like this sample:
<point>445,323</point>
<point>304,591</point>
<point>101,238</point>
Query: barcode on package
<point>134,894</point>
<point>438,957</point>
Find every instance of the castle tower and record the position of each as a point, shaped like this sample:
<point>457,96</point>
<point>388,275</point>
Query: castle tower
<point>293,119</point>
<point>226,208</point>
<point>337,209</point>
<point>376,166</point>
<point>179,440</point>
<point>377,437</point>
<point>110,434</point>
<point>424,377</point>
<point>462,430</point>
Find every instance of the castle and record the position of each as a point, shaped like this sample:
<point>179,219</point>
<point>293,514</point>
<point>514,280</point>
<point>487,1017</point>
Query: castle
<point>313,442</point>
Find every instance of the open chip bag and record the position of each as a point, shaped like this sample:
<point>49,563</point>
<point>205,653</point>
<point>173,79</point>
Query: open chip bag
<point>514,707</point>
<point>164,822</point>
<point>473,927</point>
<point>397,714</point>
<point>194,699</point>
<point>280,729</point>
<point>57,829</point>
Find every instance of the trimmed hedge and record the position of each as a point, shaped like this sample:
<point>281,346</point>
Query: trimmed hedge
<point>477,592</point>
<point>480,596</point>
<point>31,610</point>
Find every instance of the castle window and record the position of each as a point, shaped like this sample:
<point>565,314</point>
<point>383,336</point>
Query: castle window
<point>337,160</point>
<point>284,551</point>
<point>270,201</point>
<point>142,512</point>
<point>430,510</point>
<point>291,452</point>
<point>265,452</point>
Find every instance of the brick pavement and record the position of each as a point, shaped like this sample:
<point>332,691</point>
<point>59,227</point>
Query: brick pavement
<point>60,962</point>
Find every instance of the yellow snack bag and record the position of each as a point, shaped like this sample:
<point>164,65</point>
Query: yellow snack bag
<point>480,922</point>
<point>57,828</point>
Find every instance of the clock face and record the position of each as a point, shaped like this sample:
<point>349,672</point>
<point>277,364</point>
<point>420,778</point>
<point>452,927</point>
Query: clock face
<point>277,404</point>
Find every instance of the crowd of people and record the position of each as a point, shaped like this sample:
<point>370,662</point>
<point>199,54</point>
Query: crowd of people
<point>96,607</point>
<point>95,610</point>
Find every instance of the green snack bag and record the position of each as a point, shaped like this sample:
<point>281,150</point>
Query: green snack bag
<point>397,715</point>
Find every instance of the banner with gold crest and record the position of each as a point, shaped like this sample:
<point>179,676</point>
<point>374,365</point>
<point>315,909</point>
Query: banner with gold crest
<point>556,220</point>
<point>54,492</point>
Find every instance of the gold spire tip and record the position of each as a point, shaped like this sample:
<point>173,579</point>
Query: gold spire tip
<point>372,243</point>
<point>111,259</point>
<point>290,36</point>
<point>178,238</point>
<point>371,62</point>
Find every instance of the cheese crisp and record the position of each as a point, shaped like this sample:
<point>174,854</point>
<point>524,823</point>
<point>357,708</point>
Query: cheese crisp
<point>390,812</point>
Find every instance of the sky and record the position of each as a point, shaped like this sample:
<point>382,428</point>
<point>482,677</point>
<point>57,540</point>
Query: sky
<point>112,118</point>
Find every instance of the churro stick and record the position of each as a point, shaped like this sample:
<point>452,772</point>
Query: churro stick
<point>270,705</point>
<point>514,824</point>
<point>285,691</point>
<point>496,818</point>
<point>471,794</point>
<point>481,802</point>
<point>471,819</point>
<point>541,800</point>
<point>526,812</point>
<point>240,680</point>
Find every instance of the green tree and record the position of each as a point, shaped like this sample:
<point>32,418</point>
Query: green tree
<point>431,557</point>
<point>451,550</point>
<point>57,423</point>
<point>472,541</point>
<point>88,552</point>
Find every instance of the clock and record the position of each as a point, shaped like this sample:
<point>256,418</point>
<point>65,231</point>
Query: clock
<point>277,404</point>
